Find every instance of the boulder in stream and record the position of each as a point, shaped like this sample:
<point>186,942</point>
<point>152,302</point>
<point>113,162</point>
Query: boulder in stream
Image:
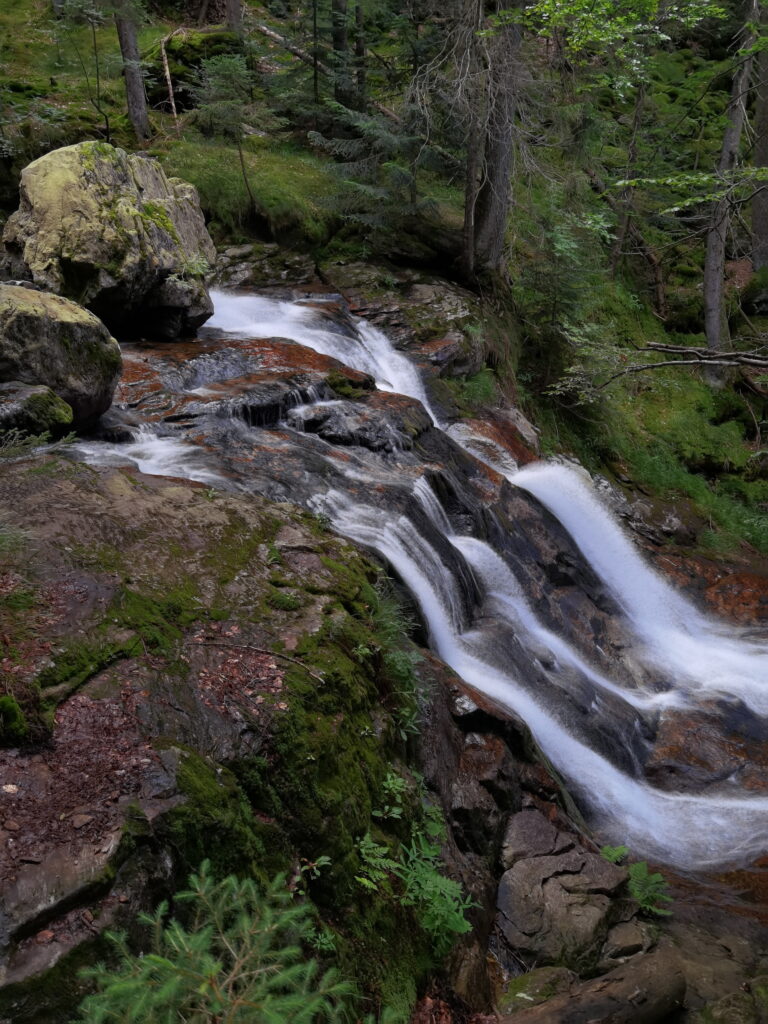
<point>109,230</point>
<point>48,340</point>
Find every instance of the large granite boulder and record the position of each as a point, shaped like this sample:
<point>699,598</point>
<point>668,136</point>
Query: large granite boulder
<point>109,230</point>
<point>48,340</point>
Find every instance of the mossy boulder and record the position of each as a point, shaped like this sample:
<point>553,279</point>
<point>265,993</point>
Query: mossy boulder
<point>48,340</point>
<point>534,987</point>
<point>110,231</point>
<point>32,408</point>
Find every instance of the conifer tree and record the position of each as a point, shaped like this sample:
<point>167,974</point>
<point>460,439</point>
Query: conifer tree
<point>239,961</point>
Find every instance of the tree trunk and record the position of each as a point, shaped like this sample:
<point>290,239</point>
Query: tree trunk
<point>246,180</point>
<point>471,189</point>
<point>360,67</point>
<point>234,16</point>
<point>315,55</point>
<point>715,319</point>
<point>202,14</point>
<point>135,95</point>
<point>494,196</point>
<point>342,89</point>
<point>475,129</point>
<point>760,201</point>
<point>628,193</point>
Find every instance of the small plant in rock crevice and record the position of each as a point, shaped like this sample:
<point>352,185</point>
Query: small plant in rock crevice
<point>394,789</point>
<point>647,888</point>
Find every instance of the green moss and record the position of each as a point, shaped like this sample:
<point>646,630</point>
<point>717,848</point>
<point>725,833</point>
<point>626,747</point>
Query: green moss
<point>476,392</point>
<point>345,387</point>
<point>291,187</point>
<point>349,583</point>
<point>45,412</point>
<point>157,214</point>
<point>215,822</point>
<point>282,601</point>
<point>319,778</point>
<point>20,599</point>
<point>81,659</point>
<point>103,558</point>
<point>158,619</point>
<point>13,723</point>
<point>239,544</point>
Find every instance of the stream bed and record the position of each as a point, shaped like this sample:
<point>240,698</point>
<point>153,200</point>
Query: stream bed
<point>655,714</point>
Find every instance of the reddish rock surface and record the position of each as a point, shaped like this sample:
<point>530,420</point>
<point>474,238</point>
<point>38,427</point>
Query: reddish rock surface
<point>733,592</point>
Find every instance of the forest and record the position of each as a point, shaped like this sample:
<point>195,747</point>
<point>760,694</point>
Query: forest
<point>383,511</point>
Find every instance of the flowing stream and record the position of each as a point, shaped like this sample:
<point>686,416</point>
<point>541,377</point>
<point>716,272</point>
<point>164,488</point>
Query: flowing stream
<point>590,718</point>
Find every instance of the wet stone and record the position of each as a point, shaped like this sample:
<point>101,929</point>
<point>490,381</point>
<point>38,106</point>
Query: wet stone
<point>529,834</point>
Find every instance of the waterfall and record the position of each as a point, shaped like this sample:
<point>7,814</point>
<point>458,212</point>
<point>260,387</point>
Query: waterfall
<point>503,648</point>
<point>684,829</point>
<point>701,652</point>
<point>366,349</point>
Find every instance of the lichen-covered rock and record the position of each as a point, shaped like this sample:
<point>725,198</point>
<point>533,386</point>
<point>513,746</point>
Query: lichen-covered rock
<point>535,987</point>
<point>48,340</point>
<point>33,408</point>
<point>112,232</point>
<point>646,990</point>
<point>263,265</point>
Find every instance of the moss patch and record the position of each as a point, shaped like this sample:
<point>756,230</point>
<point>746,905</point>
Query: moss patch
<point>13,723</point>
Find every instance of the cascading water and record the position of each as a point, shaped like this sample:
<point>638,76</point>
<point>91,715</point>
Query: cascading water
<point>503,648</point>
<point>367,350</point>
<point>153,455</point>
<point>694,831</point>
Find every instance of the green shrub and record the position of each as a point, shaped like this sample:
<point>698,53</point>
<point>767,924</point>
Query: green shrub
<point>240,960</point>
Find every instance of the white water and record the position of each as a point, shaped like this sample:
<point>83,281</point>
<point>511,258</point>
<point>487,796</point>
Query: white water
<point>153,455</point>
<point>691,830</point>
<point>512,604</point>
<point>371,352</point>
<point>700,657</point>
<point>697,651</point>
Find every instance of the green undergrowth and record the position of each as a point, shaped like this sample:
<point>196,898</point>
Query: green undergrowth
<point>676,438</point>
<point>45,93</point>
<point>473,393</point>
<point>321,782</point>
<point>680,438</point>
<point>289,185</point>
<point>665,429</point>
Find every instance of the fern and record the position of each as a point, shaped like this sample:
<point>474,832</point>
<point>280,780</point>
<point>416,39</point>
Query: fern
<point>649,889</point>
<point>439,901</point>
<point>377,865</point>
<point>614,854</point>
